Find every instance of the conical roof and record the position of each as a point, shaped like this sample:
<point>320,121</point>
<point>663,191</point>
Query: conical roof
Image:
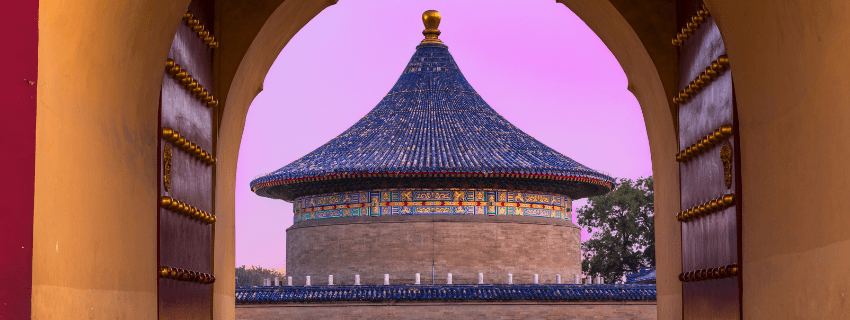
<point>432,130</point>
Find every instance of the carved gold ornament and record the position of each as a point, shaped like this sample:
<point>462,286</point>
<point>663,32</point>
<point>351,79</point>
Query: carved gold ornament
<point>726,157</point>
<point>166,167</point>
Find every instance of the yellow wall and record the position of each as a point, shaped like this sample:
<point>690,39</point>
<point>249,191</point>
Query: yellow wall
<point>790,64</point>
<point>100,69</point>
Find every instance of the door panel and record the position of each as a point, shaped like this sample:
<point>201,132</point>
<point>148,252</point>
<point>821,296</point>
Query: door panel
<point>186,220</point>
<point>710,198</point>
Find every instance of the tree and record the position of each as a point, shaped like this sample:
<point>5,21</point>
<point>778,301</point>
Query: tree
<point>622,230</point>
<point>254,275</point>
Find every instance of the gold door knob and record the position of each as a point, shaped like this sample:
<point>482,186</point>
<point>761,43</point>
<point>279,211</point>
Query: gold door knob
<point>697,19</point>
<point>726,131</point>
<point>729,200</point>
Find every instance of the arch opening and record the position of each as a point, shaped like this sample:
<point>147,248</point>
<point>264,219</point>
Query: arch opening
<point>603,18</point>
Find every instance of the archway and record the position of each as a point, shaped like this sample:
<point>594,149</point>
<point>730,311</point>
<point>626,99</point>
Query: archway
<point>644,83</point>
<point>82,135</point>
<point>99,71</point>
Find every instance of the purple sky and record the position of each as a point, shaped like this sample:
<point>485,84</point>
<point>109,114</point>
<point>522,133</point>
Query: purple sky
<point>534,62</point>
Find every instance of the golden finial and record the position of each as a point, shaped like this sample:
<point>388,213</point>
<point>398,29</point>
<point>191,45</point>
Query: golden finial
<point>431,19</point>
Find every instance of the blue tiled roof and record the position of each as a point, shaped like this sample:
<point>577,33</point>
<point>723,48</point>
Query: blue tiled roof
<point>457,292</point>
<point>433,123</point>
<point>645,275</point>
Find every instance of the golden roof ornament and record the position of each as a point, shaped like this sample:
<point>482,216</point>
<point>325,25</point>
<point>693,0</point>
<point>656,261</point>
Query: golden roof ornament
<point>431,20</point>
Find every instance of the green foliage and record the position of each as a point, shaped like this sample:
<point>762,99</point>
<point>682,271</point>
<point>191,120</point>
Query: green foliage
<point>254,275</point>
<point>623,230</point>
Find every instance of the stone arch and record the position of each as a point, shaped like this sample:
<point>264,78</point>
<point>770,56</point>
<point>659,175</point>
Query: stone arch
<point>601,16</point>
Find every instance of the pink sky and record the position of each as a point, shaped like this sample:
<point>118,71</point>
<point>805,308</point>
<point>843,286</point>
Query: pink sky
<point>534,62</point>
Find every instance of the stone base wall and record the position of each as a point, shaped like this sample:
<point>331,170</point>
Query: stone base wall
<point>451,310</point>
<point>402,246</point>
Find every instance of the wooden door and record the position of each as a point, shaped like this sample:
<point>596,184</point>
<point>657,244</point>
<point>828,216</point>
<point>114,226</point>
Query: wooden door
<point>187,139</point>
<point>710,215</point>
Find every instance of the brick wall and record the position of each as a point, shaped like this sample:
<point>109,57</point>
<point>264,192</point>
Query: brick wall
<point>451,310</point>
<point>404,245</point>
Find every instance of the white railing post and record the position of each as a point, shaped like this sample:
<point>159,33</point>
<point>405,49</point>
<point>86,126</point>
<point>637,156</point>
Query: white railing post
<point>417,278</point>
<point>356,279</point>
<point>449,279</point>
<point>386,279</point>
<point>480,278</point>
<point>330,279</point>
<point>289,281</point>
<point>308,281</point>
<point>510,278</point>
<point>558,278</point>
<point>535,279</point>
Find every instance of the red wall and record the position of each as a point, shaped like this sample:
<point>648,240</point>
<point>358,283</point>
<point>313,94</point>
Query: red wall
<point>18,66</point>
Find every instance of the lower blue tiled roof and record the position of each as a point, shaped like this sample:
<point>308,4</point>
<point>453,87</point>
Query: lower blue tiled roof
<point>645,275</point>
<point>443,292</point>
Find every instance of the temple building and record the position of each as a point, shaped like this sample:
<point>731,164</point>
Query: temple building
<point>433,181</point>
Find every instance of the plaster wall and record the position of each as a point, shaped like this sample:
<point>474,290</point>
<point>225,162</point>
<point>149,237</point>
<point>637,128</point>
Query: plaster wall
<point>453,310</point>
<point>402,246</point>
<point>94,226</point>
<point>789,64</point>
